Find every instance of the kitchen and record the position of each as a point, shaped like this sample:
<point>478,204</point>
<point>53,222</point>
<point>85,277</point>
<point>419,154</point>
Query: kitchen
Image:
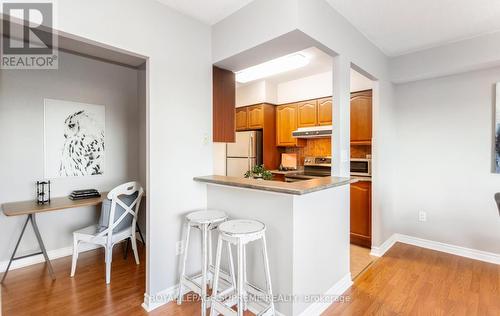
<point>284,122</point>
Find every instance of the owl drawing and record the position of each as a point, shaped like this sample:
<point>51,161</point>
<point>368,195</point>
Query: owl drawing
<point>83,150</point>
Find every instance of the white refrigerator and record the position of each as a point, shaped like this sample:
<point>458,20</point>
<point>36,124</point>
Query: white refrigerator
<point>244,153</point>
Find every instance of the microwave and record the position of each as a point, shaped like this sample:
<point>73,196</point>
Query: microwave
<point>361,167</point>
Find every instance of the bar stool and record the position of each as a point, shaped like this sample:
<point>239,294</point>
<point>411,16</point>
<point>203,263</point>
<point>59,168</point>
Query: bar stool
<point>206,221</point>
<point>240,233</point>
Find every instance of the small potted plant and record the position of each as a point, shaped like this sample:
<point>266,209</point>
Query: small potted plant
<point>259,172</point>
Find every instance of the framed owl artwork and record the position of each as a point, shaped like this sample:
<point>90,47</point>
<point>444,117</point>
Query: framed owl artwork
<point>74,143</point>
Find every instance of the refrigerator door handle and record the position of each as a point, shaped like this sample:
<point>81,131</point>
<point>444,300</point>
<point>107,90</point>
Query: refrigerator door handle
<point>250,146</point>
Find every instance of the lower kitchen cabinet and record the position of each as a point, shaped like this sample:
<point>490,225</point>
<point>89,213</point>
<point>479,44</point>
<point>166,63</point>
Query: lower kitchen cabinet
<point>361,213</point>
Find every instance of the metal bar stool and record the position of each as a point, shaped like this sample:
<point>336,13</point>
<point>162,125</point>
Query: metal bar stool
<point>240,233</point>
<point>206,221</point>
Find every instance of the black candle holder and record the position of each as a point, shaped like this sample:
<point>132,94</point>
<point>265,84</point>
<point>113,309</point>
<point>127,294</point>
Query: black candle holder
<point>43,192</point>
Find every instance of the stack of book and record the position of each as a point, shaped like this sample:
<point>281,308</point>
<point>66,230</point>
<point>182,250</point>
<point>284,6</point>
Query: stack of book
<point>84,194</point>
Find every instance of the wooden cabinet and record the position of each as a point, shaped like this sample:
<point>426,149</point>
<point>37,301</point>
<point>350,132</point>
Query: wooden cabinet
<point>286,123</point>
<point>361,117</point>
<point>249,117</point>
<point>325,111</point>
<point>241,119</point>
<point>307,114</point>
<point>224,100</point>
<point>261,117</point>
<point>255,116</point>
<point>361,213</point>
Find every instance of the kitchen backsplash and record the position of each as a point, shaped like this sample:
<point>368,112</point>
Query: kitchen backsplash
<point>314,147</point>
<point>320,147</point>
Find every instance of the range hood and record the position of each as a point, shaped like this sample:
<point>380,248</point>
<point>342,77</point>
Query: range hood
<point>313,132</point>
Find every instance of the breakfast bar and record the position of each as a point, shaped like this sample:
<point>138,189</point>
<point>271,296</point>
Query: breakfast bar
<point>307,226</point>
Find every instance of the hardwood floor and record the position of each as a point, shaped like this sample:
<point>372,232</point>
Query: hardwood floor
<point>360,260</point>
<point>409,280</point>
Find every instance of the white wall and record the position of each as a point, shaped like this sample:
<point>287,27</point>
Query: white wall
<point>22,94</point>
<point>261,91</point>
<point>445,137</point>
<point>315,23</point>
<point>310,87</point>
<point>179,93</point>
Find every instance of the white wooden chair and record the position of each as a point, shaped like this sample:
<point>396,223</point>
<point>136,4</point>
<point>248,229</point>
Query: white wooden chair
<point>109,237</point>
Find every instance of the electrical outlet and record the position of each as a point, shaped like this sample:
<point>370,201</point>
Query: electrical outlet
<point>422,216</point>
<point>205,139</point>
<point>179,248</point>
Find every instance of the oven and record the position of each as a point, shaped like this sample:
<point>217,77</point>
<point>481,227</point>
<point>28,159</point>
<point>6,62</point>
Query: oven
<point>361,167</point>
<point>314,168</point>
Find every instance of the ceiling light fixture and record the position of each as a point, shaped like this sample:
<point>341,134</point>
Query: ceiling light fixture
<point>272,67</point>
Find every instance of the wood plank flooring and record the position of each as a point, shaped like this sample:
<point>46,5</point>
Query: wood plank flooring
<point>360,260</point>
<point>407,281</point>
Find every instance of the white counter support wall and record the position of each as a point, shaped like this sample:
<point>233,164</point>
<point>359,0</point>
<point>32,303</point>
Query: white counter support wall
<point>341,147</point>
<point>307,237</point>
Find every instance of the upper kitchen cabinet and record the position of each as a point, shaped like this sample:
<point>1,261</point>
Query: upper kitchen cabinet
<point>361,117</point>
<point>255,116</point>
<point>325,111</point>
<point>307,114</point>
<point>241,119</point>
<point>224,100</point>
<point>286,123</point>
<point>250,117</point>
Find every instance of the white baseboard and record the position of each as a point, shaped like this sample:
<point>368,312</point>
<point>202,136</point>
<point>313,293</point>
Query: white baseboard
<point>53,254</point>
<point>439,246</point>
<point>336,290</point>
<point>163,297</point>
<point>380,250</point>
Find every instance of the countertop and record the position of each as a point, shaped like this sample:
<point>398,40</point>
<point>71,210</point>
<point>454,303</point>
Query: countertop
<point>295,188</point>
<point>286,172</point>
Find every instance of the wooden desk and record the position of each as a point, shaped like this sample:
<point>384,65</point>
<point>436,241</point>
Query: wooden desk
<point>56,204</point>
<point>31,208</point>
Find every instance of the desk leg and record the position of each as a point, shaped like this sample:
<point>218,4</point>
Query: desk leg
<point>42,246</point>
<point>15,249</point>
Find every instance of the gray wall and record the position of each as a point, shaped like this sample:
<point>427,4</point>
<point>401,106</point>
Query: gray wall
<point>78,79</point>
<point>444,160</point>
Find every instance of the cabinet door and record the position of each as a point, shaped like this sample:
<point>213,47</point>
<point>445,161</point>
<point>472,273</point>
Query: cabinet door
<point>361,213</point>
<point>361,117</point>
<point>255,116</point>
<point>286,123</point>
<point>223,95</point>
<point>241,118</point>
<point>325,111</point>
<point>307,114</point>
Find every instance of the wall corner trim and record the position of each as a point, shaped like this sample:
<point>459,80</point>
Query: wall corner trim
<point>163,297</point>
<point>336,290</point>
<point>475,254</point>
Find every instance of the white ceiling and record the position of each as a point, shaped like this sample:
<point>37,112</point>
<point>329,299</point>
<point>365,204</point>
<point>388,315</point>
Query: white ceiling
<point>207,11</point>
<point>402,26</point>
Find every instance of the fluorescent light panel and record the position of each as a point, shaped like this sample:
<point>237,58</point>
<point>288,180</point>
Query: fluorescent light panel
<point>272,67</point>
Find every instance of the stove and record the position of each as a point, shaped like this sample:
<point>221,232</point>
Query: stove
<point>314,168</point>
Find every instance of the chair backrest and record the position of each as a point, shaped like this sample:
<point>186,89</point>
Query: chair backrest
<point>497,199</point>
<point>126,189</point>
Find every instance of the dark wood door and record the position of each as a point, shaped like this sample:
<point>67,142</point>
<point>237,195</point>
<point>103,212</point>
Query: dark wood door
<point>361,117</point>
<point>361,213</point>
<point>224,100</point>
